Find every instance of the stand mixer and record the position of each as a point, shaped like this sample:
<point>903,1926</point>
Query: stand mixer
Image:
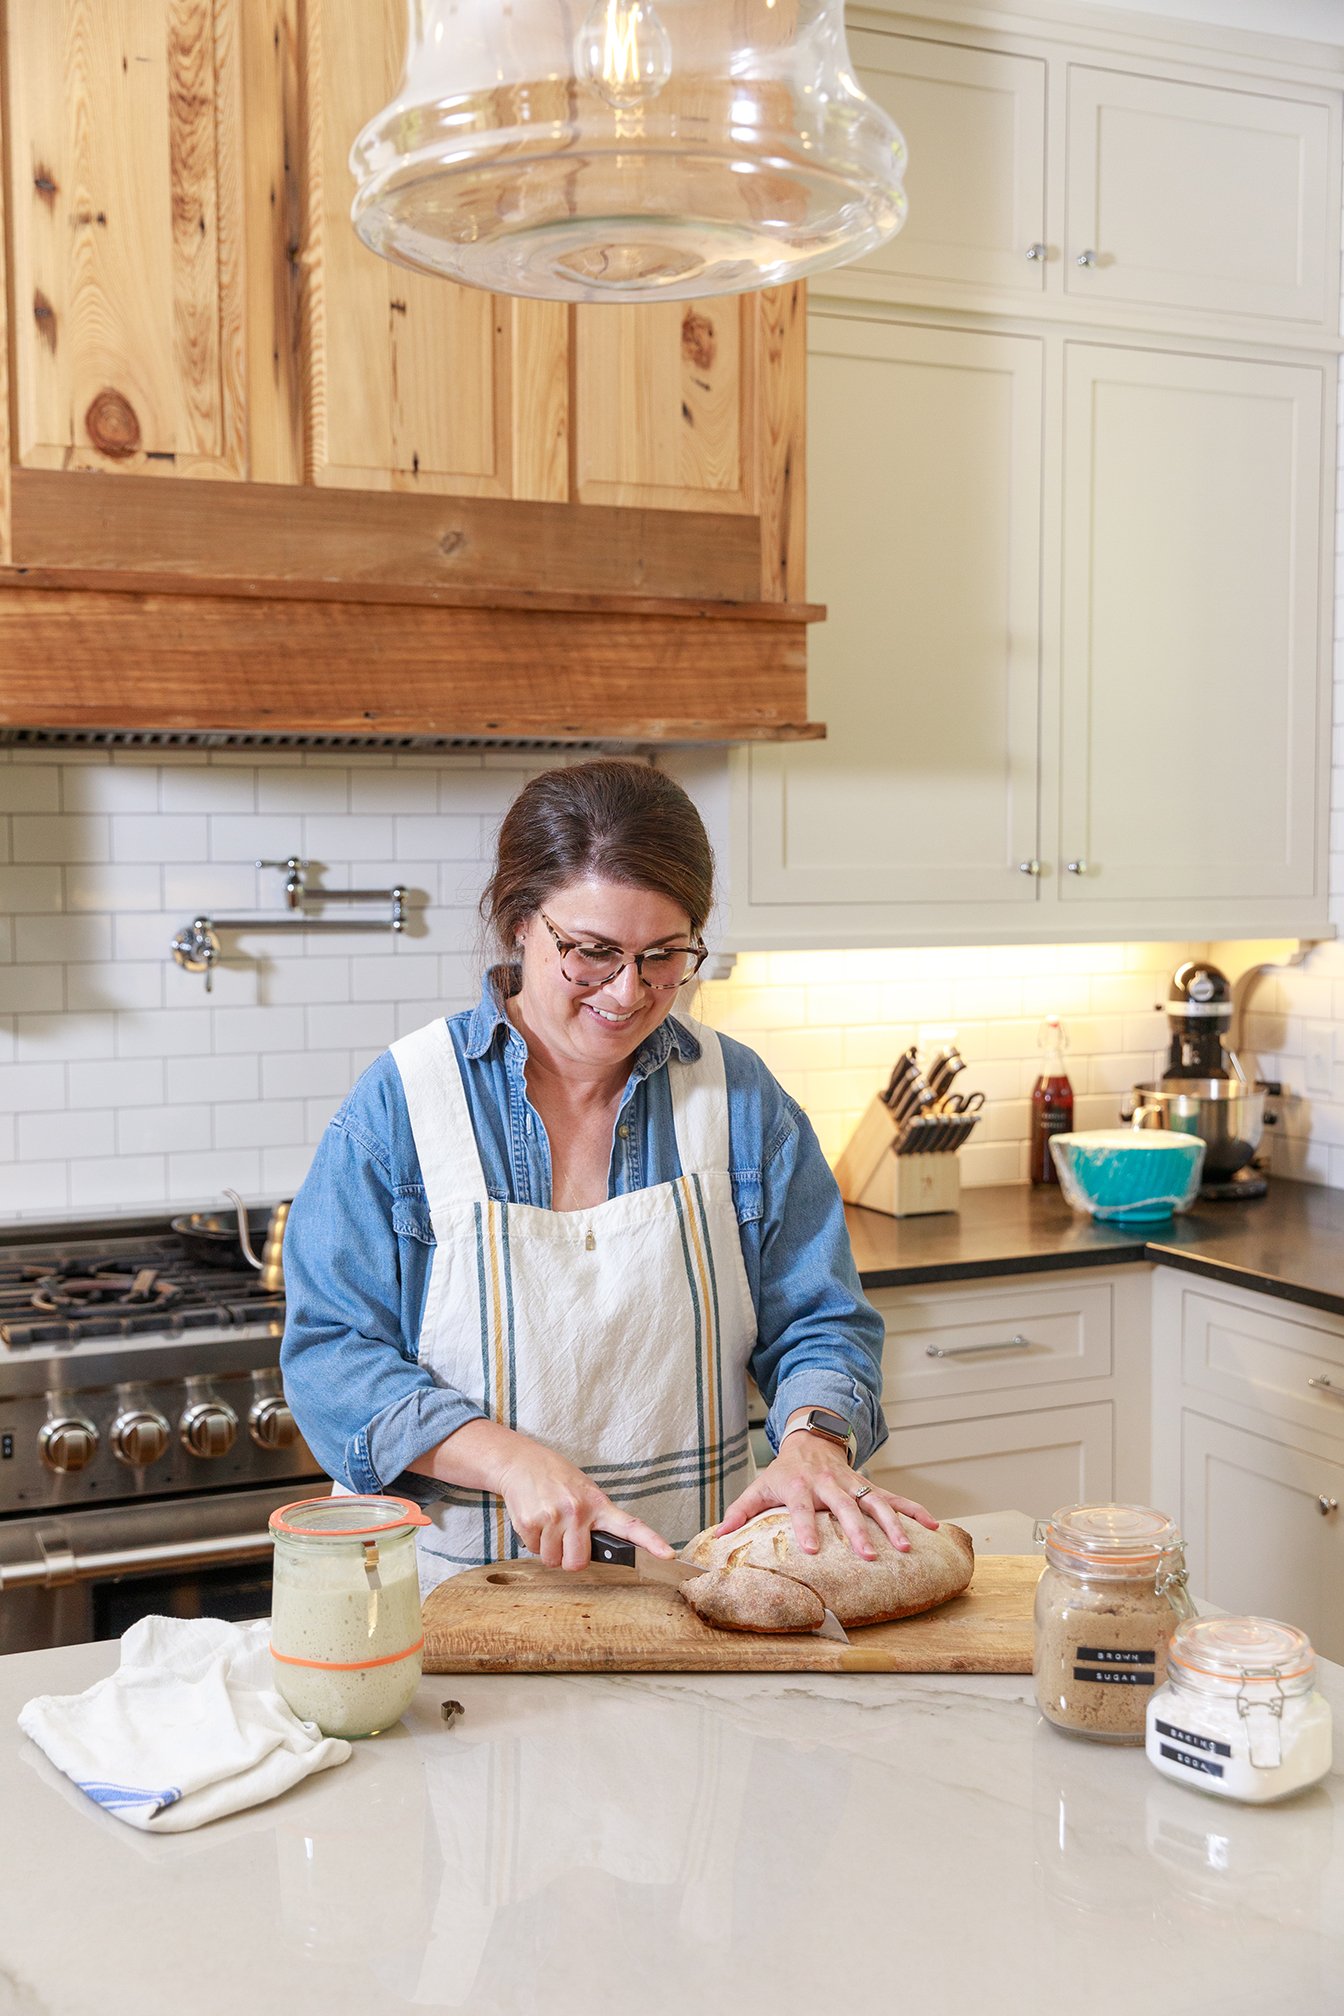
<point>1198,1093</point>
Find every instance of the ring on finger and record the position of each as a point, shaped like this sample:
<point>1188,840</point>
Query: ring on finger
<point>862,1494</point>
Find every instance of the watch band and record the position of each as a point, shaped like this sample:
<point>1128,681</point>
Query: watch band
<point>835,1428</point>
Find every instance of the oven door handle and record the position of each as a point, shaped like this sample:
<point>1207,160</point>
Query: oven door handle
<point>59,1565</point>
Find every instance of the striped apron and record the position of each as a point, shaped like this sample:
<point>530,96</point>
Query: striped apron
<point>618,1336</point>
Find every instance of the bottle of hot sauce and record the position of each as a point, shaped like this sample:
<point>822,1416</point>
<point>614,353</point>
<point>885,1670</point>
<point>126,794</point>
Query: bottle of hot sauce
<point>1051,1102</point>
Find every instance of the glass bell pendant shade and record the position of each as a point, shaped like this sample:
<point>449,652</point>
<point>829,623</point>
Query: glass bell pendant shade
<point>645,150</point>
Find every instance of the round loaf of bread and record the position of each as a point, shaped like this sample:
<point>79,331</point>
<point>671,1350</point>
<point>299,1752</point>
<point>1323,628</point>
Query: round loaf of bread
<point>938,1566</point>
<point>753,1599</point>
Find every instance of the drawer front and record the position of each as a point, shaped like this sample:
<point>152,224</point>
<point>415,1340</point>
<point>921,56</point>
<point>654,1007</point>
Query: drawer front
<point>1279,1365</point>
<point>1031,1463</point>
<point>992,1340</point>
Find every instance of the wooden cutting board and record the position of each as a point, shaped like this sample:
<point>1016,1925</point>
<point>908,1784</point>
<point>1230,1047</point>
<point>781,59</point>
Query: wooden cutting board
<point>522,1618</point>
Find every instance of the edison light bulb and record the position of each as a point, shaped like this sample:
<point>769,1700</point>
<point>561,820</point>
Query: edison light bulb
<point>624,52</point>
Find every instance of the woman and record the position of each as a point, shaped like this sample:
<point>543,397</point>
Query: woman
<point>542,1244</point>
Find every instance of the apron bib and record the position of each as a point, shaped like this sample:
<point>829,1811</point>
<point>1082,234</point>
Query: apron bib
<point>618,1336</point>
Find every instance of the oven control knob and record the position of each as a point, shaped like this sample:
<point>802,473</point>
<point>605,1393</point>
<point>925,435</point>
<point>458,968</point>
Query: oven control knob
<point>209,1428</point>
<point>271,1425</point>
<point>140,1437</point>
<point>68,1442</point>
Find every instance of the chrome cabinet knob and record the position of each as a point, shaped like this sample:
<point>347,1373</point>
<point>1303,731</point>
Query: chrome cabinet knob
<point>1028,867</point>
<point>271,1425</point>
<point>140,1436</point>
<point>1038,252</point>
<point>209,1428</point>
<point>1076,867</point>
<point>1088,258</point>
<point>1327,1505</point>
<point>68,1442</point>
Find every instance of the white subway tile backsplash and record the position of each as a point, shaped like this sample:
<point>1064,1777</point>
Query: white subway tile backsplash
<point>35,890</point>
<point>394,791</point>
<point>206,789</point>
<point>62,939</point>
<point>30,787</point>
<point>164,1032</point>
<point>127,886</point>
<point>315,1075</point>
<point>60,837</point>
<point>30,1189</point>
<point>126,984</point>
<point>238,837</point>
<point>414,977</point>
<point>217,888</point>
<point>207,1172</point>
<point>122,1179</point>
<point>161,1130</point>
<point>26,989</point>
<point>358,1024</point>
<point>299,982</point>
<point>258,1029</point>
<point>117,1082</point>
<point>303,790</point>
<point>346,838</point>
<point>63,1037</point>
<point>216,1079</point>
<point>263,1123</point>
<point>441,838</point>
<point>68,1135</point>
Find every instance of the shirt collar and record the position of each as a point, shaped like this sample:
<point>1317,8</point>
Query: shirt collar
<point>488,1017</point>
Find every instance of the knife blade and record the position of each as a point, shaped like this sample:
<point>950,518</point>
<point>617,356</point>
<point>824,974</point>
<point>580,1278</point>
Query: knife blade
<point>614,1552</point>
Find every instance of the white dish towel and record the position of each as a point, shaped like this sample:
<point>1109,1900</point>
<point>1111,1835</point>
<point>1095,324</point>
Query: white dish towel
<point>187,1729</point>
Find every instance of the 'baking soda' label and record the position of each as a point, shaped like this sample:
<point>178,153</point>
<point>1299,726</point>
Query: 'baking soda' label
<point>1191,1762</point>
<point>1114,1666</point>
<point>1191,1741</point>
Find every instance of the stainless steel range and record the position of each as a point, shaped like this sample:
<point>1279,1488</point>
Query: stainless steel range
<point>144,1435</point>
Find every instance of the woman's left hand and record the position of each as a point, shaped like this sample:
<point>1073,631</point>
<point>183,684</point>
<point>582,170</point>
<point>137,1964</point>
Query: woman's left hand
<point>810,1475</point>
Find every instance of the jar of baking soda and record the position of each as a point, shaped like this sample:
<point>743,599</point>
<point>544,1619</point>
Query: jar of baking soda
<point>1240,1715</point>
<point>1112,1592</point>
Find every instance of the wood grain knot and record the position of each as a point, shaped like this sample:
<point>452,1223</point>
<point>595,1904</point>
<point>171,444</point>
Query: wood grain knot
<point>698,346</point>
<point>45,317</point>
<point>45,184</point>
<point>111,425</point>
<point>452,542</point>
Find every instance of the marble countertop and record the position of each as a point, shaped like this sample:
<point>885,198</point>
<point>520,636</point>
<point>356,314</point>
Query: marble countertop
<point>653,1845</point>
<point>1289,1243</point>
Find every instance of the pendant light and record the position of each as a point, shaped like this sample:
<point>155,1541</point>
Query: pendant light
<point>637,150</point>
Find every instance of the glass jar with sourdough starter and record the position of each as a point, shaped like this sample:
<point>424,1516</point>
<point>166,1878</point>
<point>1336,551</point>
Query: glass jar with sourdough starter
<point>346,1636</point>
<point>1240,1715</point>
<point>1110,1596</point>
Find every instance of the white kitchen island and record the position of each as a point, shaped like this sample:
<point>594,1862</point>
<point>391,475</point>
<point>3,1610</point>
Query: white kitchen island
<point>669,1846</point>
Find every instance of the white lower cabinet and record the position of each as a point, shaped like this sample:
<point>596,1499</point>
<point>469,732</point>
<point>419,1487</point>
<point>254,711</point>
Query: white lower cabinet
<point>1248,1450</point>
<point>1030,1462</point>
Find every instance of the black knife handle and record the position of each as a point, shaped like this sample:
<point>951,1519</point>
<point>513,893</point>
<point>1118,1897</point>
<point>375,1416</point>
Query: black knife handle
<point>608,1547</point>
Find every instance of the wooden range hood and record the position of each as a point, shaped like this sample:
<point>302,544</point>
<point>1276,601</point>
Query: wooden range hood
<point>135,602</point>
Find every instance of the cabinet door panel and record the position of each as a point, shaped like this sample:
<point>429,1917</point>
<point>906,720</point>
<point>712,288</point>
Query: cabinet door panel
<point>411,377</point>
<point>1264,1361</point>
<point>1196,197</point>
<point>1016,1462</point>
<point>924,451</point>
<point>974,122</point>
<point>662,405</point>
<point>953,1344</point>
<point>1259,1544</point>
<point>1191,579</point>
<point>126,202</point>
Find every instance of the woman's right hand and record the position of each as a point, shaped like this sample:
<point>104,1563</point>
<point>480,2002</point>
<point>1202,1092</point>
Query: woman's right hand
<point>553,1504</point>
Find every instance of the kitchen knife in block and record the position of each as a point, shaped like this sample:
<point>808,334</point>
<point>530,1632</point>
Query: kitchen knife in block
<point>617,1553</point>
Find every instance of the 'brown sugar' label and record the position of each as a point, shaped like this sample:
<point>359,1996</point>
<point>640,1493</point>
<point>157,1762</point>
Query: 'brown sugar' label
<point>1113,1666</point>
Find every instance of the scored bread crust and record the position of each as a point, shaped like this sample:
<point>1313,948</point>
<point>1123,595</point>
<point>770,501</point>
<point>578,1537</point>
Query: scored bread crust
<point>753,1599</point>
<point>938,1566</point>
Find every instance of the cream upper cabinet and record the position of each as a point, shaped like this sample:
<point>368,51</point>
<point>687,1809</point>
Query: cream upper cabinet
<point>924,449</point>
<point>1185,196</point>
<point>1191,701</point>
<point>974,122</point>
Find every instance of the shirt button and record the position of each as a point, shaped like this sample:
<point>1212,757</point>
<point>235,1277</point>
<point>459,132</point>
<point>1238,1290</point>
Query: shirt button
<point>624,1133</point>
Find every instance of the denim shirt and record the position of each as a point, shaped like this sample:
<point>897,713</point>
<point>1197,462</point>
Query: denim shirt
<point>359,1247</point>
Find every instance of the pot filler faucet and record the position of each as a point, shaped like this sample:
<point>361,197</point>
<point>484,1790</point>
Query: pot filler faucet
<point>196,947</point>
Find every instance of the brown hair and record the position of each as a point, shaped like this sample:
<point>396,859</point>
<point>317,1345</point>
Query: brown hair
<point>619,821</point>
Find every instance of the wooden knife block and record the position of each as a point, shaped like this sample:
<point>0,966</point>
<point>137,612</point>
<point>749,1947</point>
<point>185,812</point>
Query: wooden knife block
<point>902,1186</point>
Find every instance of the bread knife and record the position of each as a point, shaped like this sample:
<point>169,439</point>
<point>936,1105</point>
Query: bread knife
<point>612,1551</point>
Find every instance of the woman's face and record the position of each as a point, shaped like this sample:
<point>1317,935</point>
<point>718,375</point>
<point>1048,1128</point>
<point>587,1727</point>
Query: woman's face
<point>597,1025</point>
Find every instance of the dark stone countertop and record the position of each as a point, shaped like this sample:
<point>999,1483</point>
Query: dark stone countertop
<point>1289,1243</point>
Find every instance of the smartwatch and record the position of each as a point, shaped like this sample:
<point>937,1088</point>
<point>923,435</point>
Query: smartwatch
<point>821,1421</point>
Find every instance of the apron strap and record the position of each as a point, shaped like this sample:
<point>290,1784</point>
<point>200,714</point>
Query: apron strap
<point>436,1099</point>
<point>700,1104</point>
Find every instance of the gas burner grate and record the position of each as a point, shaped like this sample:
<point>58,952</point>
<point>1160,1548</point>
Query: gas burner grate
<point>62,1298</point>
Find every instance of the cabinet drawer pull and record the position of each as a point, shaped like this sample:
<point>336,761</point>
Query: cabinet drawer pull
<point>1018,1343</point>
<point>1038,251</point>
<point>1324,1386</point>
<point>1087,258</point>
<point>1327,1505</point>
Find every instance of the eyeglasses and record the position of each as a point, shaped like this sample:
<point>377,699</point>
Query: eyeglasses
<point>667,966</point>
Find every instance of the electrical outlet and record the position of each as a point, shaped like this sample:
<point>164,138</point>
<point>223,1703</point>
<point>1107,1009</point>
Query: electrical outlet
<point>1320,1060</point>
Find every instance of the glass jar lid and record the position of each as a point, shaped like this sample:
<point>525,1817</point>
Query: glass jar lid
<point>346,1518</point>
<point>1117,1539</point>
<point>1242,1652</point>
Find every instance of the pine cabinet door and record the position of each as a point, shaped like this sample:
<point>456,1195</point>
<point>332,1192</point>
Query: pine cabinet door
<point>415,383</point>
<point>924,450</point>
<point>1263,1529</point>
<point>124,147</point>
<point>1191,628</point>
<point>974,124</point>
<point>1029,1462</point>
<point>1199,197</point>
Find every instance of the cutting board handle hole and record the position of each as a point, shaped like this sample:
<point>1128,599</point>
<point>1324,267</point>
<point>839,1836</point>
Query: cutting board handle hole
<point>498,1579</point>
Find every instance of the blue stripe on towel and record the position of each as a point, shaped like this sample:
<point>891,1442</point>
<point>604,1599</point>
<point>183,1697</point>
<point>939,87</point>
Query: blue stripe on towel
<point>113,1796</point>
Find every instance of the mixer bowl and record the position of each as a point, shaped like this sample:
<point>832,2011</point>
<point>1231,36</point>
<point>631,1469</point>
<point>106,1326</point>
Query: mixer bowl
<point>1226,1114</point>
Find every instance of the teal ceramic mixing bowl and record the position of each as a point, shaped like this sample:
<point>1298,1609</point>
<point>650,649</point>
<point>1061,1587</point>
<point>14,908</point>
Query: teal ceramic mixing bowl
<point>1136,1178</point>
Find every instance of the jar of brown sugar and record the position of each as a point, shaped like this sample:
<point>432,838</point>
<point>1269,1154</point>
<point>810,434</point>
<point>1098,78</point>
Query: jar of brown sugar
<point>1110,1596</point>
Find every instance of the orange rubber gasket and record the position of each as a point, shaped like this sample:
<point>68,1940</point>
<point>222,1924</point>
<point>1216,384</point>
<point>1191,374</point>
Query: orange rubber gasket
<point>414,1517</point>
<point>1237,1679</point>
<point>346,1665</point>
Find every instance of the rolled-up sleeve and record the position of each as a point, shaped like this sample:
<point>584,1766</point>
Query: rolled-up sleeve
<point>819,1339</point>
<point>357,1261</point>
